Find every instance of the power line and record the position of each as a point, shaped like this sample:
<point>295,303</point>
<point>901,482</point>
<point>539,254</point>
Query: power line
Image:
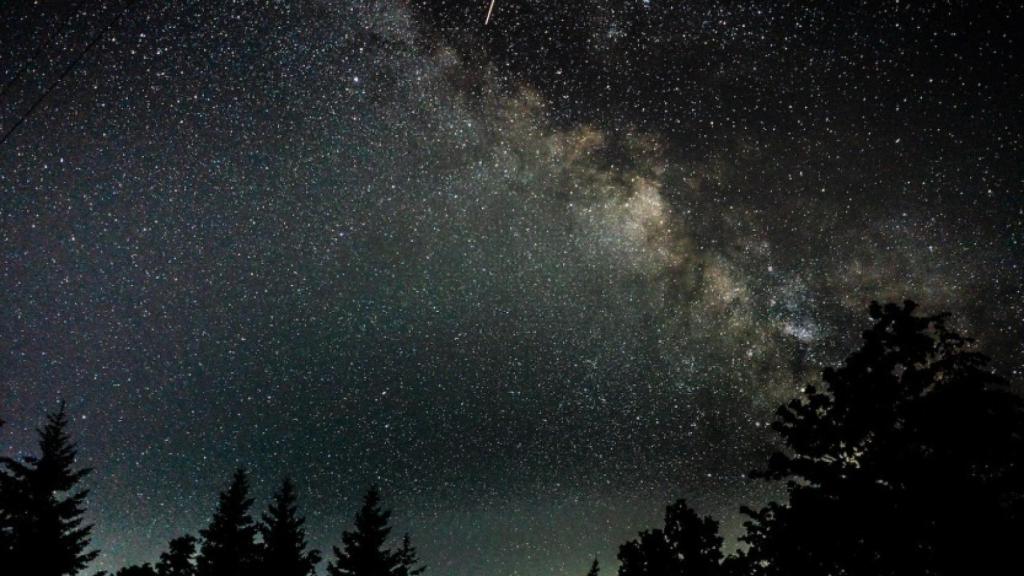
<point>68,70</point>
<point>39,50</point>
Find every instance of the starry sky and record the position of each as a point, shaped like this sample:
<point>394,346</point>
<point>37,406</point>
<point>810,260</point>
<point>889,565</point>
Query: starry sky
<point>536,279</point>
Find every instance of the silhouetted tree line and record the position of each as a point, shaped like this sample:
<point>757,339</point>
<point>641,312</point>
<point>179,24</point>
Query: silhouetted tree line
<point>42,531</point>
<point>906,460</point>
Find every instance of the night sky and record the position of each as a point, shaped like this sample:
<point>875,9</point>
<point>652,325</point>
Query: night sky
<point>536,279</point>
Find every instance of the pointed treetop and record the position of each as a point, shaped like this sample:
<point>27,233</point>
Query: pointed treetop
<point>364,551</point>
<point>229,542</point>
<point>42,490</point>
<point>284,539</point>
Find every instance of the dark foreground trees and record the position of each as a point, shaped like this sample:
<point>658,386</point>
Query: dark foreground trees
<point>906,460</point>
<point>229,542</point>
<point>688,545</point>
<point>178,560</point>
<point>234,544</point>
<point>909,459</point>
<point>143,570</point>
<point>42,530</point>
<point>364,550</point>
<point>284,550</point>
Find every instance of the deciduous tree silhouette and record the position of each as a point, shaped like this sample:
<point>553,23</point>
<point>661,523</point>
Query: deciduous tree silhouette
<point>688,546</point>
<point>364,551</point>
<point>139,570</point>
<point>284,539</point>
<point>909,460</point>
<point>43,508</point>
<point>178,559</point>
<point>229,543</point>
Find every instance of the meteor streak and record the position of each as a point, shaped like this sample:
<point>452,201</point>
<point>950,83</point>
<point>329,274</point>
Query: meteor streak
<point>489,10</point>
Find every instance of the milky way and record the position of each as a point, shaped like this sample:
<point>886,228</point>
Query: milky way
<point>534,279</point>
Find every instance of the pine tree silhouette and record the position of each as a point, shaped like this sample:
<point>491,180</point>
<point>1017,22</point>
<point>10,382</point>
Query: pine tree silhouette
<point>229,546</point>
<point>284,539</point>
<point>909,460</point>
<point>43,514</point>
<point>688,546</point>
<point>595,568</point>
<point>407,559</point>
<point>178,559</point>
<point>364,552</point>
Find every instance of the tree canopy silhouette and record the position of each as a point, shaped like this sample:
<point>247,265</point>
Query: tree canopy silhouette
<point>688,545</point>
<point>365,552</point>
<point>908,460</point>
<point>138,570</point>
<point>229,542</point>
<point>284,539</point>
<point>408,560</point>
<point>42,508</point>
<point>178,560</point>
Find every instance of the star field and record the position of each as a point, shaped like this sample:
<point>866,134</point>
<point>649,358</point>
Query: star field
<point>535,278</point>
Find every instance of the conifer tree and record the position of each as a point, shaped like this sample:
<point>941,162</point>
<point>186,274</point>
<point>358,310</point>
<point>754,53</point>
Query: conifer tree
<point>178,559</point>
<point>44,529</point>
<point>595,568</point>
<point>229,542</point>
<point>284,539</point>
<point>408,559</point>
<point>364,551</point>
